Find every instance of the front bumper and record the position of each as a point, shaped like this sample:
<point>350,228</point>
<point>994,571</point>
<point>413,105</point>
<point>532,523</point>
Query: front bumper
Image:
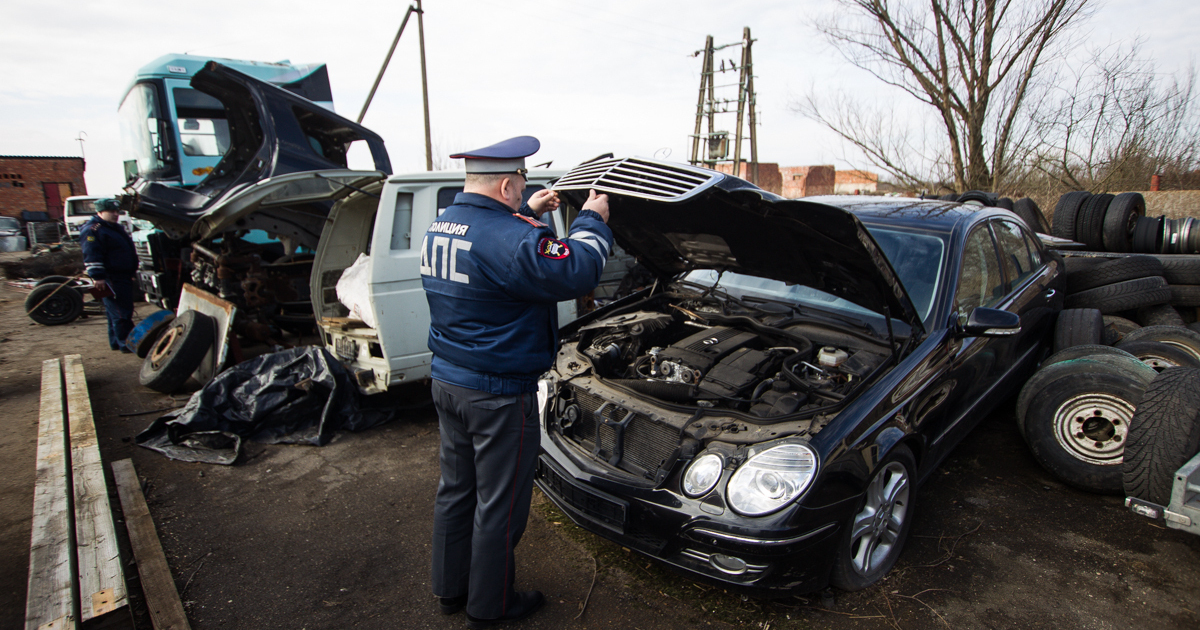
<point>789,552</point>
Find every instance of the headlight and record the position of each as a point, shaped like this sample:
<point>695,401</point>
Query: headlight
<point>702,475</point>
<point>771,479</point>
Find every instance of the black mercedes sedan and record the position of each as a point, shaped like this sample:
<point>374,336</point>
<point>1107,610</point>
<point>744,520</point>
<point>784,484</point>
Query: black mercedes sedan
<point>761,413</point>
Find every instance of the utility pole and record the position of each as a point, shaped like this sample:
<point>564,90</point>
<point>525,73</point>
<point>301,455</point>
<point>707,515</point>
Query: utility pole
<point>412,8</point>
<point>708,106</point>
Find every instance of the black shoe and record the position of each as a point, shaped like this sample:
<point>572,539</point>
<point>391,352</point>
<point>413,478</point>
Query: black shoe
<point>451,605</point>
<point>527,603</point>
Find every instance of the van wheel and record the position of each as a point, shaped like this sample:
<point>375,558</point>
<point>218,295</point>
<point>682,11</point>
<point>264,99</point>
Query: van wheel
<point>51,306</point>
<point>178,352</point>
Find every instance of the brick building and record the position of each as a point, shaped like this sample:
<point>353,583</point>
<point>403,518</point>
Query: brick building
<point>855,182</point>
<point>807,181</point>
<point>39,183</point>
<point>769,178</point>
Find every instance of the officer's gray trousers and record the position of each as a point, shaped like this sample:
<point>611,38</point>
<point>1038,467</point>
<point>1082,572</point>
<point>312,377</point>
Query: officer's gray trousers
<point>488,454</point>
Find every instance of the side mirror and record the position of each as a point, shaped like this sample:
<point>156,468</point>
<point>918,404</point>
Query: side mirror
<point>991,322</point>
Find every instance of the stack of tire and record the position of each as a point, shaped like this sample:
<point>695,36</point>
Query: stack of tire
<point>1024,207</point>
<point>1087,404</point>
<point>1149,289</point>
<point>1118,223</point>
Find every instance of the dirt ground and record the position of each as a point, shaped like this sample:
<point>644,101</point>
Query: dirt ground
<point>338,537</point>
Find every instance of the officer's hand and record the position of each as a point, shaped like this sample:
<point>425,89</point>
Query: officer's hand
<point>101,285</point>
<point>543,201</point>
<point>597,203</point>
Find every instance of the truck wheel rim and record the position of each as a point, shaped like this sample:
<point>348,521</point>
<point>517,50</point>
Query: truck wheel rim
<point>162,347</point>
<point>1093,427</point>
<point>876,529</point>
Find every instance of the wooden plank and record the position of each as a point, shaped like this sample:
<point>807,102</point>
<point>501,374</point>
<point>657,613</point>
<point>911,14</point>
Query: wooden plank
<point>166,611</point>
<point>49,603</point>
<point>101,579</point>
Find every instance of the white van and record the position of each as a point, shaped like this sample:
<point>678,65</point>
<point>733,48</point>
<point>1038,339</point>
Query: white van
<point>80,209</point>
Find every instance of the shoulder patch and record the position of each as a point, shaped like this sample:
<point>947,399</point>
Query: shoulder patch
<point>553,248</point>
<point>530,220</point>
<point>91,238</point>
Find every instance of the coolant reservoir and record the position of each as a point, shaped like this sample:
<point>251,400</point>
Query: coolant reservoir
<point>830,356</point>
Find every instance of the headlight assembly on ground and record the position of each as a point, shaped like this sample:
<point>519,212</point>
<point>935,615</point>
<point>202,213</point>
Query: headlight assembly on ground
<point>771,479</point>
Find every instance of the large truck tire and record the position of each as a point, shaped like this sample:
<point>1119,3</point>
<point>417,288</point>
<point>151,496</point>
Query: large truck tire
<point>1078,327</point>
<point>1164,435</point>
<point>1180,268</point>
<point>1089,223</point>
<point>178,352</point>
<point>1113,271</point>
<point>1065,212</point>
<point>1179,336</point>
<point>1031,214</point>
<point>1159,355</point>
<point>51,305</point>
<point>1121,219</point>
<point>1123,296</point>
<point>1076,425</point>
<point>1074,360</point>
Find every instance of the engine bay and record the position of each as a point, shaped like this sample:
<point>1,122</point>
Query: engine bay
<point>708,352</point>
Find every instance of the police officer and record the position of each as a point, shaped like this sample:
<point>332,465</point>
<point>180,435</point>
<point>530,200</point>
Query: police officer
<point>111,261</point>
<point>493,276</point>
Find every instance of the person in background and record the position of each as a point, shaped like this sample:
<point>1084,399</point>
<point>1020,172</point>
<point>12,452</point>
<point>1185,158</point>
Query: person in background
<point>493,275</point>
<point>111,261</point>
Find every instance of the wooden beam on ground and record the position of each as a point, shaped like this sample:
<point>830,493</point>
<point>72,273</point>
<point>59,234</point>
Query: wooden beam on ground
<point>51,574</point>
<point>101,578</point>
<point>166,611</point>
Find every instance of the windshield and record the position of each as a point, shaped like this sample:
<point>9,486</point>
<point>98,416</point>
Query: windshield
<point>918,260</point>
<point>744,285</point>
<point>9,223</point>
<point>144,148</point>
<point>203,129</point>
<point>81,207</point>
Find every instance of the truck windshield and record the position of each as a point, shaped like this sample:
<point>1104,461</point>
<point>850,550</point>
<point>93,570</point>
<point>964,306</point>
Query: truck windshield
<point>81,207</point>
<point>203,129</point>
<point>144,145</point>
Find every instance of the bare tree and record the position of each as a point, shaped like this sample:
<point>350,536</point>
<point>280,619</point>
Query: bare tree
<point>971,61</point>
<point>1114,122</point>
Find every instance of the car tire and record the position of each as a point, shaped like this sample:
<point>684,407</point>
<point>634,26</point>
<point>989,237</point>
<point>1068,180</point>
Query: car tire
<point>978,196</point>
<point>1159,355</point>
<point>1113,271</point>
<point>1078,327</point>
<point>1121,219</point>
<point>1179,336</point>
<point>1089,223</point>
<point>1122,296</point>
<point>1180,268</point>
<point>1031,214</point>
<point>1116,327</point>
<point>864,557</point>
<point>1185,295</point>
<point>51,306</point>
<point>1076,264</point>
<point>1065,211</point>
<point>1073,361</point>
<point>1159,315</point>
<point>1148,235</point>
<point>1006,203</point>
<point>1165,434</point>
<point>151,337</point>
<point>1076,425</point>
<point>178,352</point>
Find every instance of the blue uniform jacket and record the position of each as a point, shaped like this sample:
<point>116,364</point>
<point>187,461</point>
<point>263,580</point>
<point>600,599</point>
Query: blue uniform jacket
<point>108,250</point>
<point>493,280</point>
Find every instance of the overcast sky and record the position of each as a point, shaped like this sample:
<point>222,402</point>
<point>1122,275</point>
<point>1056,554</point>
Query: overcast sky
<point>585,77</point>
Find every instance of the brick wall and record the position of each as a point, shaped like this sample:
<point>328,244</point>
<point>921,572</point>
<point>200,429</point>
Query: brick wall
<point>807,181</point>
<point>769,178</point>
<point>23,180</point>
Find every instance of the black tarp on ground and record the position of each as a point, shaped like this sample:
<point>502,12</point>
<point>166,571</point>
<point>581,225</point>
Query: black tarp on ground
<point>297,396</point>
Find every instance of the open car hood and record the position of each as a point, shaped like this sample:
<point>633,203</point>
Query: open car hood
<point>273,133</point>
<point>676,218</point>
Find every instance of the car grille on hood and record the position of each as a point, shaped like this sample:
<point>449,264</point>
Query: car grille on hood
<point>643,448</point>
<point>637,177</point>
